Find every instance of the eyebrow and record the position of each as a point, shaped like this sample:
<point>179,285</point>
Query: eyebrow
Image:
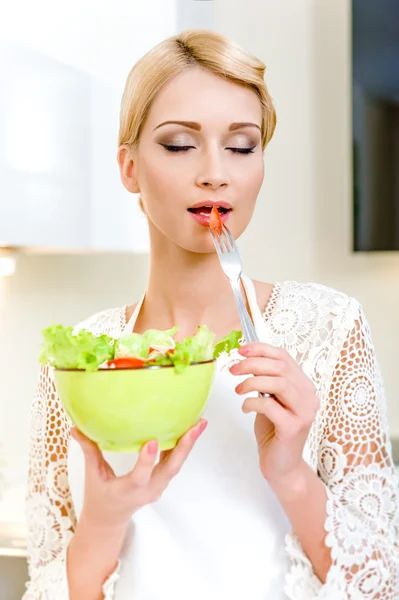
<point>197,126</point>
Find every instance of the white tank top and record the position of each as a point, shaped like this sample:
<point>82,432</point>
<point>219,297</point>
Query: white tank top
<point>218,531</point>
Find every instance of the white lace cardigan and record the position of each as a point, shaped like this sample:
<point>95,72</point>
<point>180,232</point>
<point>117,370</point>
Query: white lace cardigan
<point>327,333</point>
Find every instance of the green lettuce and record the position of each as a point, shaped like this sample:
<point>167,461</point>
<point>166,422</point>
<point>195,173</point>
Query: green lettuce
<point>135,344</point>
<point>197,348</point>
<point>64,349</point>
<point>227,343</point>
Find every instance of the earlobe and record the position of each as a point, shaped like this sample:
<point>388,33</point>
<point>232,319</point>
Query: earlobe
<point>127,170</point>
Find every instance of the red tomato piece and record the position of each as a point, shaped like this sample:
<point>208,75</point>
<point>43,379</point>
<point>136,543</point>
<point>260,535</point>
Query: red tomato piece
<point>215,222</point>
<point>126,363</point>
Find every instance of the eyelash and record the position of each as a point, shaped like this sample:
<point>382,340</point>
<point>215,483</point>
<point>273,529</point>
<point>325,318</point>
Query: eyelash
<point>185,148</point>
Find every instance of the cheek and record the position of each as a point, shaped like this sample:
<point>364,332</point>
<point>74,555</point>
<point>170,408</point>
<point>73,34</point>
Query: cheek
<point>162,177</point>
<point>250,181</point>
<point>164,190</point>
<point>154,177</point>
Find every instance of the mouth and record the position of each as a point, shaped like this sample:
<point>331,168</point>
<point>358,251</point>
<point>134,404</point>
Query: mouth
<point>202,213</point>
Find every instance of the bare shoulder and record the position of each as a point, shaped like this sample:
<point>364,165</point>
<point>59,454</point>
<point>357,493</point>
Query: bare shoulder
<point>263,292</point>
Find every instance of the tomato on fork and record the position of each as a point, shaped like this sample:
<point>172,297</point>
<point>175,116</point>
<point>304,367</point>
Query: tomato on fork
<point>215,222</point>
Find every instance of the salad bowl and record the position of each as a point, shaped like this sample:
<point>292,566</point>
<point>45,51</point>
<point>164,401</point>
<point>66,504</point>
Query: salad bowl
<point>122,393</point>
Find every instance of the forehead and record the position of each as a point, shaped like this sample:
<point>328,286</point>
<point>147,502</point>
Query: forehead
<point>197,95</point>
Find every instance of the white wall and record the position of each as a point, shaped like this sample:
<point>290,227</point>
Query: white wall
<point>302,226</point>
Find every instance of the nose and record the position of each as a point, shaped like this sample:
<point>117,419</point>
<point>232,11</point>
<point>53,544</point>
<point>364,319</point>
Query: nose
<point>213,172</point>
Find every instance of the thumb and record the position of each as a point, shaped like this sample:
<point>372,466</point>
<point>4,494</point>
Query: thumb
<point>92,453</point>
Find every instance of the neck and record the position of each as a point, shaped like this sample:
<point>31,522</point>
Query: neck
<point>187,289</point>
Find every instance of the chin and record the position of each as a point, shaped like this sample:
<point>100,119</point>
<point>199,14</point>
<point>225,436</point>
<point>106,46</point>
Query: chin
<point>203,244</point>
<point>193,237</point>
<point>199,245</point>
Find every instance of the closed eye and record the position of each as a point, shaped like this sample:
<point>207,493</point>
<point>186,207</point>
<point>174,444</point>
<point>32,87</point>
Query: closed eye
<point>170,148</point>
<point>242,150</point>
<point>177,148</point>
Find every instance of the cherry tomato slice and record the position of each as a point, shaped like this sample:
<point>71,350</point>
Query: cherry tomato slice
<point>215,222</point>
<point>126,363</point>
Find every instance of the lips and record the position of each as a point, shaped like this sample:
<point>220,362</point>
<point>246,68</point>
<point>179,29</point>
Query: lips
<point>210,204</point>
<point>202,212</point>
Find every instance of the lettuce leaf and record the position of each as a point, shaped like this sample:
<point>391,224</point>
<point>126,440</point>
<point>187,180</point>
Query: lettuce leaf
<point>227,343</point>
<point>137,345</point>
<point>63,350</point>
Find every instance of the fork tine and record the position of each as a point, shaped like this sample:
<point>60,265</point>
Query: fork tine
<point>219,240</point>
<point>216,243</point>
<point>231,238</point>
<point>222,241</point>
<point>227,240</point>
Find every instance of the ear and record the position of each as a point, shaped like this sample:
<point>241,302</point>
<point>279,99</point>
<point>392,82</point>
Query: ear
<point>127,170</point>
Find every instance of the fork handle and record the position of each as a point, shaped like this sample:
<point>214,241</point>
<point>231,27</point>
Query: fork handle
<point>246,322</point>
<point>244,318</point>
<point>249,330</point>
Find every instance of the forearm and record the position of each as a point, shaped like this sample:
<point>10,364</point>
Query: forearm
<point>92,557</point>
<point>304,501</point>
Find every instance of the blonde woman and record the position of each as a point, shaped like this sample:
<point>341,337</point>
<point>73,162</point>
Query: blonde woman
<point>289,497</point>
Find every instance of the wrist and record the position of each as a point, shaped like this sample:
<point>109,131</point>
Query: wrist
<point>290,488</point>
<point>98,528</point>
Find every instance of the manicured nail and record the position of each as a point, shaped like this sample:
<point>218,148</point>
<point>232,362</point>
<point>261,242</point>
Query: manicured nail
<point>198,430</point>
<point>152,447</point>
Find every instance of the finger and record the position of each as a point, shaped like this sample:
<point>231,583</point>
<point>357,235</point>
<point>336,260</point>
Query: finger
<point>277,386</point>
<point>277,414</point>
<point>164,454</point>
<point>166,470</point>
<point>92,453</point>
<point>259,366</point>
<point>266,351</point>
<point>106,471</point>
<point>141,473</point>
<point>198,427</point>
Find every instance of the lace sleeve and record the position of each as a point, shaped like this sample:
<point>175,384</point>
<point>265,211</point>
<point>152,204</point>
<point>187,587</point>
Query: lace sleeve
<point>355,462</point>
<point>50,514</point>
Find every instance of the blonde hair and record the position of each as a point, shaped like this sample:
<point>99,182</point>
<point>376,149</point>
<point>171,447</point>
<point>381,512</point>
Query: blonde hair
<point>194,47</point>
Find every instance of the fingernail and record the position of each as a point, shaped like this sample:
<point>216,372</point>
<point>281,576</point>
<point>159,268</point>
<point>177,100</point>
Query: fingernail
<point>152,447</point>
<point>198,430</point>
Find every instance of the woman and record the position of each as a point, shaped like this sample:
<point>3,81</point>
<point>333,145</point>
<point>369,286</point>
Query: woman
<point>292,496</point>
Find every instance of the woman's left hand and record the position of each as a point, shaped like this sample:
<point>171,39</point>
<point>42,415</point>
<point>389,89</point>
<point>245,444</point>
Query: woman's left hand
<point>283,420</point>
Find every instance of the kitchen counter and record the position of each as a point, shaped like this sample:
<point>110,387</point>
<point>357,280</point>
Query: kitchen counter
<point>13,539</point>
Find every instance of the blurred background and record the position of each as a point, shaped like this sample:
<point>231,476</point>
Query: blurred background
<point>73,241</point>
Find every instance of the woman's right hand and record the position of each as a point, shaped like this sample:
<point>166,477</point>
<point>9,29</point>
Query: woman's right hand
<point>110,500</point>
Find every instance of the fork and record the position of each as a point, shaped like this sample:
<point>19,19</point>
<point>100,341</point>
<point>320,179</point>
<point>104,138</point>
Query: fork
<point>231,263</point>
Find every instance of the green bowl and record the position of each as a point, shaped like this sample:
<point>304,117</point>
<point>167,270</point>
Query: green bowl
<point>122,409</point>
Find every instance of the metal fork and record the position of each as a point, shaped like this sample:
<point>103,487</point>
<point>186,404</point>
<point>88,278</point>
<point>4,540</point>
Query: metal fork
<point>231,263</point>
